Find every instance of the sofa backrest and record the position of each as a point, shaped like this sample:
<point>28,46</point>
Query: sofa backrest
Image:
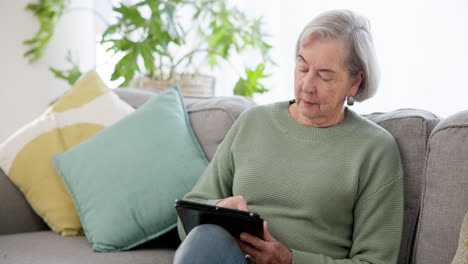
<point>443,181</point>
<point>445,191</point>
<point>210,117</point>
<point>411,129</point>
<point>16,215</point>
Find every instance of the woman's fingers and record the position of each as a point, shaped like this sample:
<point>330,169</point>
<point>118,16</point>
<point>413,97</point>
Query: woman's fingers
<point>253,240</point>
<point>249,250</point>
<point>266,233</point>
<point>241,204</point>
<point>235,202</point>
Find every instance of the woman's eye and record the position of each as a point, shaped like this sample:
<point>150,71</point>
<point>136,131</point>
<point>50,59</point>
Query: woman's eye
<point>301,68</point>
<point>323,78</point>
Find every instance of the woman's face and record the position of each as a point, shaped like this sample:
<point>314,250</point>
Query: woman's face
<point>322,81</point>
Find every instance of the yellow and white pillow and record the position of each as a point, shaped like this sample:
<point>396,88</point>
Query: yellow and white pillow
<point>25,157</point>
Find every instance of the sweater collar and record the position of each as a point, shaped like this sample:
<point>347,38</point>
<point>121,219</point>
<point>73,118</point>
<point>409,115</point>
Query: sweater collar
<point>288,125</point>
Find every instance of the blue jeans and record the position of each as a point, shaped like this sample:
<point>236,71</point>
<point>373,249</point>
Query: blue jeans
<point>209,244</point>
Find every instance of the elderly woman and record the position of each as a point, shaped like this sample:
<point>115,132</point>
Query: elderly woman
<point>327,181</point>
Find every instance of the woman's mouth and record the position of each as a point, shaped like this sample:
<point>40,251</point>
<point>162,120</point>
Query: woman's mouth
<point>308,103</point>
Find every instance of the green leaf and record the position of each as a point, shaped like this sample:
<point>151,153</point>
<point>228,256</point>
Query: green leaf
<point>148,58</point>
<point>122,44</point>
<point>72,74</point>
<point>157,45</point>
<point>58,74</point>
<point>54,101</point>
<point>32,7</point>
<point>241,88</point>
<point>130,16</point>
<point>112,29</point>
<point>247,87</point>
<point>48,12</point>
<point>126,68</point>
<point>212,60</point>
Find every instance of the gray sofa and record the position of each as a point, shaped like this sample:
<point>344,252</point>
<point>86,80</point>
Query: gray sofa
<point>435,159</point>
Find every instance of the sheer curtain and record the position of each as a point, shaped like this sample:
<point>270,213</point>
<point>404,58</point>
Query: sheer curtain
<point>422,48</point>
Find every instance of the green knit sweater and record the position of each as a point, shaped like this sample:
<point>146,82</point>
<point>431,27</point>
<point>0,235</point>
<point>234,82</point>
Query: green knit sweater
<point>331,195</point>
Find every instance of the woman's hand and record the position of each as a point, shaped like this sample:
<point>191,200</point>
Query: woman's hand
<point>265,251</point>
<point>235,202</point>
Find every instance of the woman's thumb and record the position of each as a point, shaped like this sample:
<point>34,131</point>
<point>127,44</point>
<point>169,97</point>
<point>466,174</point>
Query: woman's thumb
<point>266,234</point>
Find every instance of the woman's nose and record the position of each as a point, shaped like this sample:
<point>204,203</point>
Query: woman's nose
<point>309,83</point>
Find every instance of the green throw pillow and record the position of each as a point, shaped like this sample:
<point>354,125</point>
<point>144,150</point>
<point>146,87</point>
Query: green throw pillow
<point>125,179</point>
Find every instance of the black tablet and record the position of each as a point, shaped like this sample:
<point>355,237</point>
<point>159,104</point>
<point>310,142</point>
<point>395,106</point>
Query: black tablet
<point>192,214</point>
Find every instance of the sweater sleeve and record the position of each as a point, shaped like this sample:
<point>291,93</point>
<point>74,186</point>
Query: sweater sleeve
<point>378,217</point>
<point>215,183</point>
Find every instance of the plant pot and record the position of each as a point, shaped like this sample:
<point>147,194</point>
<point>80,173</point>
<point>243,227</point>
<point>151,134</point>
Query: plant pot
<point>189,84</point>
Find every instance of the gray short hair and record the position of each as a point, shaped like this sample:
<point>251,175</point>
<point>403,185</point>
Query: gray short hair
<point>354,30</point>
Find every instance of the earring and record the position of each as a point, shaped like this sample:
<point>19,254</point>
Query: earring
<point>350,100</point>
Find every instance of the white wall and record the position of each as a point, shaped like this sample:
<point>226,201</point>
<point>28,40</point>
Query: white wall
<point>26,89</point>
<point>422,46</point>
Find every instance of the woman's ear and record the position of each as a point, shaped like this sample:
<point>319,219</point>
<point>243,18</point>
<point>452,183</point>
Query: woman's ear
<point>356,82</point>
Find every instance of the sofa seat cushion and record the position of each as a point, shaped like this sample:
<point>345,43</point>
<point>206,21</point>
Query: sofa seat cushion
<point>411,129</point>
<point>47,247</point>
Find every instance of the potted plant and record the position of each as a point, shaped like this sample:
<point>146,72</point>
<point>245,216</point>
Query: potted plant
<point>165,40</point>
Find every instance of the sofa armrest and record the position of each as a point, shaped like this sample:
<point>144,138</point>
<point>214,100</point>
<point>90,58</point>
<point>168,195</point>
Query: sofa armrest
<point>16,216</point>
